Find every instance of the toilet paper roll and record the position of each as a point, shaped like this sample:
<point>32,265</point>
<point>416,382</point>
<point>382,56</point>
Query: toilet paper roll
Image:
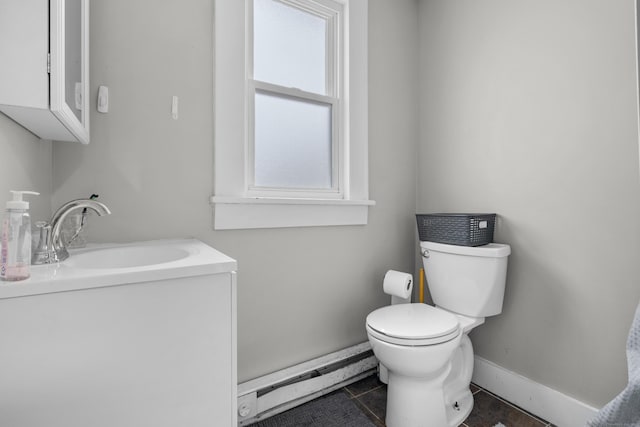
<point>398,284</point>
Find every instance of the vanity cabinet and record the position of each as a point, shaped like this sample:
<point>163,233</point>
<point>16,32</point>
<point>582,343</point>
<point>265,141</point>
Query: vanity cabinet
<point>128,335</point>
<point>44,72</point>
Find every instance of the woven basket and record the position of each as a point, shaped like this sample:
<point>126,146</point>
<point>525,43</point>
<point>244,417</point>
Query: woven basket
<point>456,228</point>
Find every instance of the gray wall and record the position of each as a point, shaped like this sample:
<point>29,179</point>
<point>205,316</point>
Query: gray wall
<point>302,292</point>
<point>26,165</point>
<point>528,109</point>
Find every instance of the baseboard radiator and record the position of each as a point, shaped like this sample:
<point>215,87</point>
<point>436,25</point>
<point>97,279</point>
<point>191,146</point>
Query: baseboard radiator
<point>271,394</point>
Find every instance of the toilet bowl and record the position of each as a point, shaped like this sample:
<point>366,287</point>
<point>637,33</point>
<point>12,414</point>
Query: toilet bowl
<point>425,350</point>
<point>415,342</point>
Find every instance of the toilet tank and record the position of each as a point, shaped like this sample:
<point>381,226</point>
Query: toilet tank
<point>466,280</point>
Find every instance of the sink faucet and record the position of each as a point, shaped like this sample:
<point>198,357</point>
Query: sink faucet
<point>51,248</point>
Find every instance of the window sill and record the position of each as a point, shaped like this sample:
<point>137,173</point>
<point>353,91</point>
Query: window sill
<point>232,213</point>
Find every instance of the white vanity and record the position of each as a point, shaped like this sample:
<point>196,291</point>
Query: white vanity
<point>128,335</point>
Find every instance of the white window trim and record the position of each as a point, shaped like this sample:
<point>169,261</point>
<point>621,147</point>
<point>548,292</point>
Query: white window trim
<point>234,205</point>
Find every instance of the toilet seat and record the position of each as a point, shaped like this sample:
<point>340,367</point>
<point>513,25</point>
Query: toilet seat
<point>413,325</point>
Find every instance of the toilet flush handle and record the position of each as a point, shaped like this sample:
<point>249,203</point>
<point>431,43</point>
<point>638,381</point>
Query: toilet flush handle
<point>425,253</point>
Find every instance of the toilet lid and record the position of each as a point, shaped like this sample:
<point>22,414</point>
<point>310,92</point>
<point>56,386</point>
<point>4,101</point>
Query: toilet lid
<point>413,324</point>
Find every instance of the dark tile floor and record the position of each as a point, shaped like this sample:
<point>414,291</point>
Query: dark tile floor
<point>370,395</point>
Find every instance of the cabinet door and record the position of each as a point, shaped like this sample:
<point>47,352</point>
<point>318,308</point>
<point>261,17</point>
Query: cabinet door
<point>158,354</point>
<point>24,43</point>
<point>44,67</point>
<point>69,79</point>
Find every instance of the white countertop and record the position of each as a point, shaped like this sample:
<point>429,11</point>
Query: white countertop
<point>200,259</point>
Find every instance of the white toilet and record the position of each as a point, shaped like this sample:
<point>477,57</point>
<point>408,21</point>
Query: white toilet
<point>425,350</point>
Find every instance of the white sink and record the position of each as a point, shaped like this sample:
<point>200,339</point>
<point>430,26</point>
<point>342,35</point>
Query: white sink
<point>126,257</point>
<point>108,264</point>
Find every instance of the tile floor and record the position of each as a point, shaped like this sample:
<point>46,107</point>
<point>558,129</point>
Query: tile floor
<point>370,395</point>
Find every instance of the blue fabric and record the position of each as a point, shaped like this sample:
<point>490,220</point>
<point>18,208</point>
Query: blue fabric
<point>624,410</point>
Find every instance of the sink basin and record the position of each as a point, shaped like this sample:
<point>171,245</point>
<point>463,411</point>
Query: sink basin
<point>113,264</point>
<point>125,257</point>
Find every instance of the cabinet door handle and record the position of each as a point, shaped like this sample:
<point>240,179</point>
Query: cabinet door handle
<point>78,96</point>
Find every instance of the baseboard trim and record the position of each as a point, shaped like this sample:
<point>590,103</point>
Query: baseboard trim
<point>540,400</point>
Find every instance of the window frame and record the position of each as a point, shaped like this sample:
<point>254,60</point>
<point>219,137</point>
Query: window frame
<point>332,12</point>
<point>237,202</point>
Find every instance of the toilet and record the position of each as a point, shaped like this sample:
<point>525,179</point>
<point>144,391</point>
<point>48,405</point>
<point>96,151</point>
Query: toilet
<point>425,354</point>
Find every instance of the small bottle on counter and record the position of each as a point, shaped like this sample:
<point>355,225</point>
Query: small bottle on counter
<point>15,255</point>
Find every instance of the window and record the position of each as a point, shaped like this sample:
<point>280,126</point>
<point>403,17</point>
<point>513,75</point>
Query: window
<point>294,95</point>
<point>290,113</point>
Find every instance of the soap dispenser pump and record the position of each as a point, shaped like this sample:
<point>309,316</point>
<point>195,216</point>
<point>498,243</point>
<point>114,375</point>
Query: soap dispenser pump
<point>15,255</point>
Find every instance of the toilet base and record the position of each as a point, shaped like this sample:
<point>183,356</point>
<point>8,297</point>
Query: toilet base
<point>447,394</point>
<point>417,402</point>
<point>414,403</point>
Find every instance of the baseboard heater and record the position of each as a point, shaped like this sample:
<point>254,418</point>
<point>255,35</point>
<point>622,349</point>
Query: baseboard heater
<point>271,394</point>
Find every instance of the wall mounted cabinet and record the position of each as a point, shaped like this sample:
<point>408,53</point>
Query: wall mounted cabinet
<point>44,77</point>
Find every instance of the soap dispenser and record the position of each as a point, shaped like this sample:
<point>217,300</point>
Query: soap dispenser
<point>15,255</point>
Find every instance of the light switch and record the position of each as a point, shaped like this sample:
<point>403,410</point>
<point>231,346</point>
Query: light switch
<point>103,99</point>
<point>174,108</point>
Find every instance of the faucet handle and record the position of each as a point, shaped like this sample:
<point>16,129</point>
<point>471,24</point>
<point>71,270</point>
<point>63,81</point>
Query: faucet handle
<point>43,253</point>
<point>44,227</point>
